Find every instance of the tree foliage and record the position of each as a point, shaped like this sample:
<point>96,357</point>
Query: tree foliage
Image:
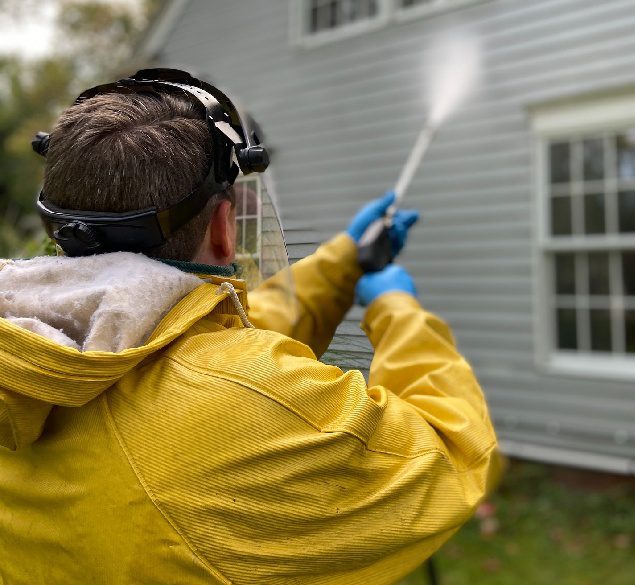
<point>93,39</point>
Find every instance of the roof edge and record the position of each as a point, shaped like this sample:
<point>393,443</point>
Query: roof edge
<point>150,45</point>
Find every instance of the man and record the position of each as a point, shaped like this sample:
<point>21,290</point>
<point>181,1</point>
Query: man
<point>156,428</point>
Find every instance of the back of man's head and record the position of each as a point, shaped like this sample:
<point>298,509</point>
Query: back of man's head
<point>126,152</point>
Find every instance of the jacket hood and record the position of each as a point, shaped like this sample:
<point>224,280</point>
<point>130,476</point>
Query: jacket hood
<point>71,327</point>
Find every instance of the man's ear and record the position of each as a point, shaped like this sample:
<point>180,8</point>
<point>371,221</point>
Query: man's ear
<point>219,245</point>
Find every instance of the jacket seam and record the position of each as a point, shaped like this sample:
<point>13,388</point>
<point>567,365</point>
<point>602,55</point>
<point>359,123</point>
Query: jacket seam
<point>14,427</point>
<point>212,373</point>
<point>469,468</point>
<point>153,498</point>
<point>56,370</point>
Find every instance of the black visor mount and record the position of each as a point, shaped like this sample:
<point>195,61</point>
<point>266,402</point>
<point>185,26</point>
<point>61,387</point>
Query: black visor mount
<point>234,148</point>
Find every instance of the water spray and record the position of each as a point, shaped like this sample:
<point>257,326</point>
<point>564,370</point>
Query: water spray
<point>452,71</point>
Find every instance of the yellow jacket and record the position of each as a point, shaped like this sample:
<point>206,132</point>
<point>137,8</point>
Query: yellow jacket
<point>214,453</point>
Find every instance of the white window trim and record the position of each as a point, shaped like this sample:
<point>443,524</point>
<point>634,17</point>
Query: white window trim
<point>405,14</point>
<point>566,120</point>
<point>388,11</point>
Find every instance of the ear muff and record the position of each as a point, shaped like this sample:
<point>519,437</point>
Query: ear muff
<point>233,149</point>
<point>253,159</point>
<point>40,143</point>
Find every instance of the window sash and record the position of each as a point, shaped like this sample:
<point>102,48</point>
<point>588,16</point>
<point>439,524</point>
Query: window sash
<point>322,21</point>
<point>575,124</point>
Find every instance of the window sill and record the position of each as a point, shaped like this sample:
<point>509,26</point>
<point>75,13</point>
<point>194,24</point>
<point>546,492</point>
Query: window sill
<point>606,367</point>
<point>414,12</point>
<point>310,41</point>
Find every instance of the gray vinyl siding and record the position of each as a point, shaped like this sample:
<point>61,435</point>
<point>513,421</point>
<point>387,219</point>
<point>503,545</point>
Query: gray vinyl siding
<point>342,118</point>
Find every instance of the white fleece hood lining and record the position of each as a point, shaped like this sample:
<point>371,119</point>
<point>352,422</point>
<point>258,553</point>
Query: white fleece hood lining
<point>108,302</point>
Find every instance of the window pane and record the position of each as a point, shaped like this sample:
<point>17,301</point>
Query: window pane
<point>599,283</point>
<point>560,162</point>
<point>251,197</point>
<point>348,10</point>
<point>628,273</point>
<point>626,155</point>
<point>626,209</point>
<point>594,216</point>
<point>314,25</point>
<point>246,198</point>
<point>593,159</point>
<point>239,190</point>
<point>251,236</point>
<point>567,329</point>
<point>240,244</point>
<point>601,330</point>
<point>323,17</point>
<point>565,274</point>
<point>630,331</point>
<point>332,19</point>
<point>561,216</point>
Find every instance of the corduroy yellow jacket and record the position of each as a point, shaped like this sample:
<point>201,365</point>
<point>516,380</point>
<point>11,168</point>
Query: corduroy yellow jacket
<point>216,454</point>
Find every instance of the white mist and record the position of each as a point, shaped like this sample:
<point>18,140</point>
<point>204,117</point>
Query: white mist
<point>452,71</point>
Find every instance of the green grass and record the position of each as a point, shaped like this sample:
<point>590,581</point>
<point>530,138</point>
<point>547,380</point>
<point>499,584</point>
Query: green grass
<point>548,527</point>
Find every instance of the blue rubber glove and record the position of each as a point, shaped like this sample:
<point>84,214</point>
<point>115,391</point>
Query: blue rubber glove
<point>403,220</point>
<point>390,279</point>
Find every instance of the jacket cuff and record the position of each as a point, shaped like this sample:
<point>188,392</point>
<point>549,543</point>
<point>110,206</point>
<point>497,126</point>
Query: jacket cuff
<point>389,303</point>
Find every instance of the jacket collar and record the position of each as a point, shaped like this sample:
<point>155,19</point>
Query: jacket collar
<point>203,269</point>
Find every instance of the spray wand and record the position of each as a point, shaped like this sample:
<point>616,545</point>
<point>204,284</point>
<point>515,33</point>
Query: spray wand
<point>375,247</point>
<point>450,80</point>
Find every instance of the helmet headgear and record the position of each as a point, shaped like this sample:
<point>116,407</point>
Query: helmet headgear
<point>234,148</point>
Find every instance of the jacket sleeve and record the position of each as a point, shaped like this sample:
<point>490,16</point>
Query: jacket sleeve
<point>417,361</point>
<point>308,301</point>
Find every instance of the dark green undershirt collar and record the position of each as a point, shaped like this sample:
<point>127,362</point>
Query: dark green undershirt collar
<point>194,268</point>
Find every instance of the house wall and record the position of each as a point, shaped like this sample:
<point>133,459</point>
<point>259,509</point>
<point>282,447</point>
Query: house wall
<point>342,118</point>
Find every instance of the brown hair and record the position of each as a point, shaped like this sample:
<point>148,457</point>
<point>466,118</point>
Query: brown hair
<point>123,152</point>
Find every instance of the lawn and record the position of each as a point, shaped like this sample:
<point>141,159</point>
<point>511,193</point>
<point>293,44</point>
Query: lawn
<point>545,526</point>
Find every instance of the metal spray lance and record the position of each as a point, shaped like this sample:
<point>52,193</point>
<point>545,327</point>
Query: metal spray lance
<point>453,71</point>
<point>375,247</point>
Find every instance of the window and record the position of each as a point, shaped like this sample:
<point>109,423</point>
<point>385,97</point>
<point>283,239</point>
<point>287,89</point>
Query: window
<point>592,197</point>
<point>316,22</point>
<point>587,243</point>
<point>248,220</point>
<point>261,250</point>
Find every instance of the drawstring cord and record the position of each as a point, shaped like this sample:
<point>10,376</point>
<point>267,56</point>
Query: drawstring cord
<point>228,287</point>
